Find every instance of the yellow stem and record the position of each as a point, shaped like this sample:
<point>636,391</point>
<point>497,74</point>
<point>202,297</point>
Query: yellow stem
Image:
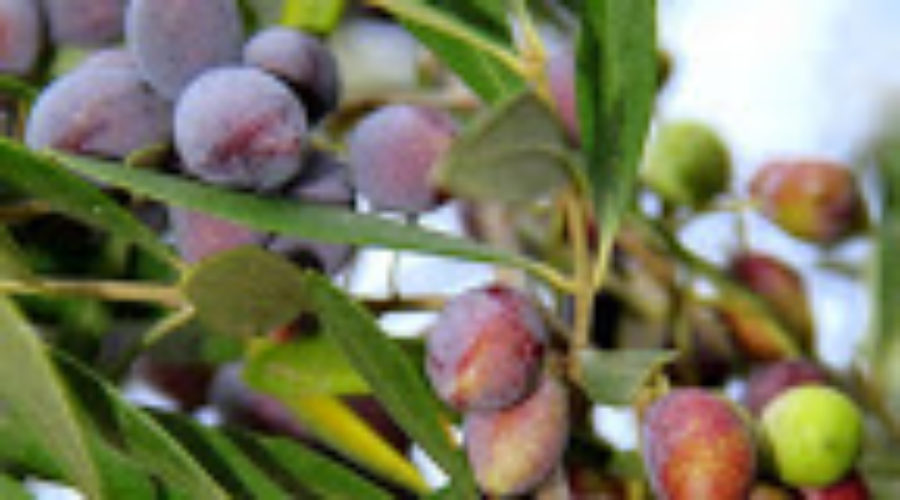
<point>168,324</point>
<point>532,52</point>
<point>603,260</point>
<point>116,291</point>
<point>584,290</point>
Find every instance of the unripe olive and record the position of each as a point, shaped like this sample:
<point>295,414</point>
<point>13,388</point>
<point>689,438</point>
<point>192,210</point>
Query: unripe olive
<point>813,434</point>
<point>812,199</point>
<point>688,164</point>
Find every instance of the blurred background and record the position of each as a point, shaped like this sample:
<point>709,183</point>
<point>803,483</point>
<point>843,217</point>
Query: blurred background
<point>804,77</point>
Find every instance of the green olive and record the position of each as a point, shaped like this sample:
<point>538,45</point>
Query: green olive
<point>813,434</point>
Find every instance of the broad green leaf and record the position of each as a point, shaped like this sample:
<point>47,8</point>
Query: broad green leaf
<point>11,489</point>
<point>397,384</point>
<point>244,292</point>
<point>488,66</point>
<point>317,222</point>
<point>30,388</point>
<point>616,377</point>
<point>320,475</point>
<point>318,16</point>
<point>616,85</point>
<point>139,437</point>
<point>312,364</point>
<point>39,176</point>
<point>514,152</point>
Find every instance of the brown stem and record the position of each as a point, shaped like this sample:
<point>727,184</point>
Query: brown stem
<point>398,303</point>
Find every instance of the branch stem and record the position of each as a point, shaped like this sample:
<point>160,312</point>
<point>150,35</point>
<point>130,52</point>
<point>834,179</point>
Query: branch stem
<point>115,291</point>
<point>584,287</point>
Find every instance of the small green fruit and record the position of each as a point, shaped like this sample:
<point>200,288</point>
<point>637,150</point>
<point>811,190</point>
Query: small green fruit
<point>688,164</point>
<point>813,199</point>
<point>813,434</point>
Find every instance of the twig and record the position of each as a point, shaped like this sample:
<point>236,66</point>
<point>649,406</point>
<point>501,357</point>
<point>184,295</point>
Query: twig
<point>115,291</point>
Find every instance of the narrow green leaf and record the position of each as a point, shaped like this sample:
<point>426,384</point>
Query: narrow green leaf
<point>11,489</point>
<point>244,292</point>
<point>317,222</point>
<point>488,66</point>
<point>254,466</point>
<point>615,377</point>
<point>140,438</point>
<point>312,364</point>
<point>13,263</point>
<point>320,475</point>
<point>31,390</point>
<point>38,175</point>
<point>121,477</point>
<point>518,144</point>
<point>248,466</point>
<point>616,85</point>
<point>881,469</point>
<point>280,465</point>
<point>230,466</point>
<point>22,451</point>
<point>397,384</point>
<point>884,344</point>
<point>488,15</point>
